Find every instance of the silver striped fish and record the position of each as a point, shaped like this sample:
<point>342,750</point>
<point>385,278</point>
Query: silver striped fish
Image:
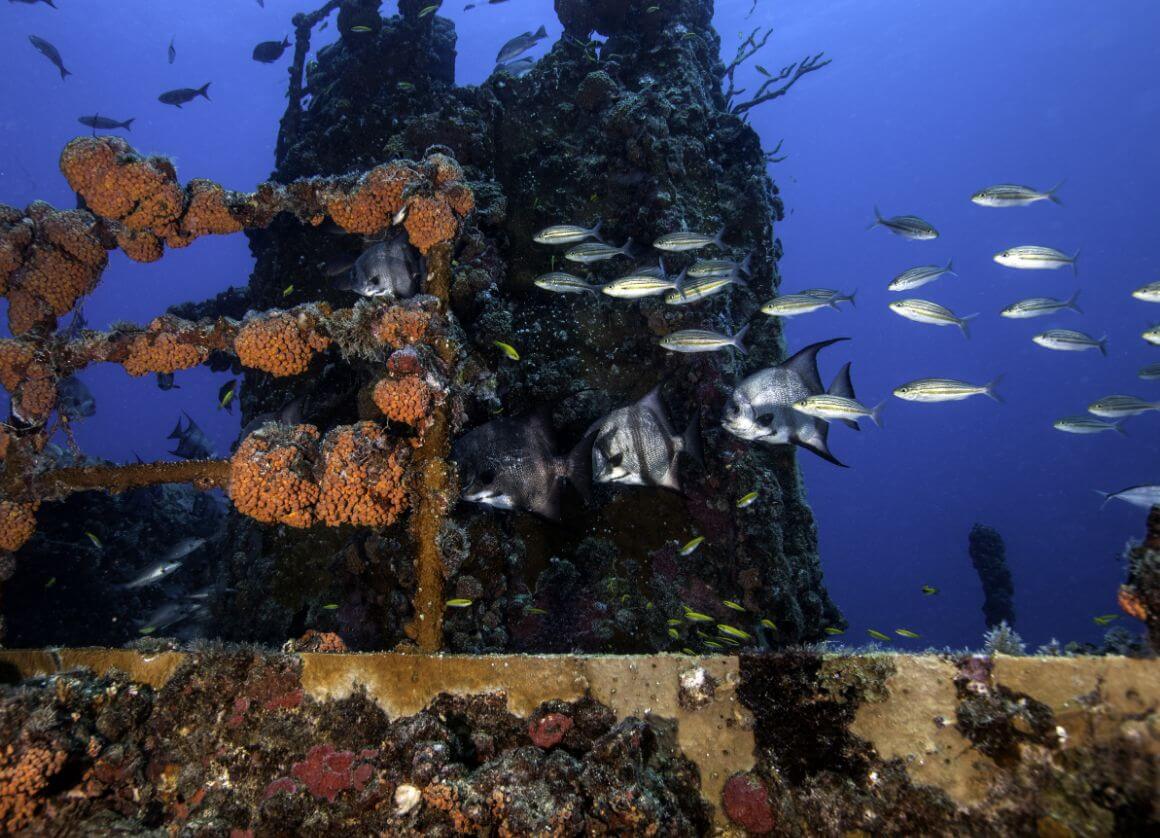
<point>1039,306</point>
<point>698,289</point>
<point>1014,195</point>
<point>1149,293</point>
<point>1151,372</point>
<point>683,240</point>
<point>924,311</point>
<point>917,277</point>
<point>719,267</point>
<point>1069,340</point>
<point>945,390</point>
<point>1152,335</point>
<point>830,295</point>
<point>565,283</point>
<point>1085,425</point>
<point>597,252</point>
<point>704,340</point>
<point>567,234</point>
<point>828,407</point>
<point>635,286</point>
<point>907,226</point>
<point>790,305</point>
<point>1034,257</point>
<point>1119,407</point>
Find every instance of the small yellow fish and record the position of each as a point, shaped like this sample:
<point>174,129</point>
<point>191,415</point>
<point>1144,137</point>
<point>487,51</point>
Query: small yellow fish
<point>769,624</point>
<point>648,606</point>
<point>51,581</point>
<point>905,633</point>
<point>458,603</point>
<point>533,610</point>
<point>929,590</point>
<point>833,631</point>
<point>730,640</point>
<point>507,349</point>
<point>426,10</point>
<point>405,85</point>
<point>228,397</point>
<point>675,622</point>
<point>652,9</point>
<point>1104,619</point>
<point>96,541</point>
<point>688,651</point>
<point>692,546</point>
<point>736,606</point>
<point>713,644</point>
<point>733,631</point>
<point>360,29</point>
<point>746,500</point>
<point>147,630</point>
<point>877,635</point>
<point>697,617</point>
<point>673,633</point>
<point>288,290</point>
<point>331,606</point>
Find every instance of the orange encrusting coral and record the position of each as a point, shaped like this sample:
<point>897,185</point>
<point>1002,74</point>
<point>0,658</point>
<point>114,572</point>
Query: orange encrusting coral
<point>117,183</point>
<point>17,524</point>
<point>167,345</point>
<point>280,343</point>
<point>363,477</point>
<point>375,198</point>
<point>400,326</point>
<point>407,400</point>
<point>272,475</point>
<point>24,776</point>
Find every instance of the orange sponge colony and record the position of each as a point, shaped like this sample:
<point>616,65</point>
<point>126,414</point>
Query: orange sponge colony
<point>408,399</point>
<point>280,342</point>
<point>167,345</point>
<point>363,477</point>
<point>117,183</point>
<point>281,475</point>
<point>208,211</point>
<point>371,204</point>
<point>48,260</point>
<point>17,524</point>
<point>272,475</point>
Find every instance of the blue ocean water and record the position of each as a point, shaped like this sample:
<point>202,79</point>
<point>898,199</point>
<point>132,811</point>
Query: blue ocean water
<point>923,104</point>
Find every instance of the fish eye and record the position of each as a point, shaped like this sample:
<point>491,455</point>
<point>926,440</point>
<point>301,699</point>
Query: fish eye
<point>616,459</point>
<point>486,476</point>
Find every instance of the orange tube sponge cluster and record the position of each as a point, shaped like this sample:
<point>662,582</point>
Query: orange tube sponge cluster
<point>363,477</point>
<point>17,524</point>
<point>272,475</point>
<point>282,475</point>
<point>408,399</point>
<point>400,326</point>
<point>30,381</point>
<point>117,183</point>
<point>280,342</point>
<point>23,777</point>
<point>48,260</point>
<point>167,345</point>
<point>433,218</point>
<point>376,197</point>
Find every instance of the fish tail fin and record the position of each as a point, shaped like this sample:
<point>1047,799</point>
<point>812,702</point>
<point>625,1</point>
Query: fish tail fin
<point>1075,262</point>
<point>744,267</point>
<point>1102,343</point>
<point>1073,302</point>
<point>541,32</point>
<point>626,248</point>
<point>661,265</point>
<point>578,467</point>
<point>595,231</point>
<point>1107,496</point>
<point>1051,195</point>
<point>719,238</point>
<point>128,123</point>
<point>963,324</point>
<point>950,268</point>
<point>679,282</point>
<point>738,279</point>
<point>738,339</point>
<point>64,72</point>
<point>1119,427</point>
<point>990,390</point>
<point>850,297</point>
<point>876,413</point>
<point>691,440</point>
<point>877,219</point>
<point>285,41</point>
<point>204,90</point>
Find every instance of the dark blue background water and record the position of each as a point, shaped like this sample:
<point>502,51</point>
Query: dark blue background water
<point>924,104</point>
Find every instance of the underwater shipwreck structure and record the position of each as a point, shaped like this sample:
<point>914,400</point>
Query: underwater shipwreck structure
<point>523,676</point>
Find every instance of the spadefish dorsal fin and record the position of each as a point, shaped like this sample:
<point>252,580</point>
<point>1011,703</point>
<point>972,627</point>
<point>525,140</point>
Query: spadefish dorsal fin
<point>805,364</point>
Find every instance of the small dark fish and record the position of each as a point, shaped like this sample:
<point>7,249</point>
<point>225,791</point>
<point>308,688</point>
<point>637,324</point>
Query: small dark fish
<point>520,44</point>
<point>390,268</point>
<point>227,393</point>
<point>290,414</point>
<point>637,446</point>
<point>325,24</point>
<point>192,443</point>
<point>75,326</point>
<point>51,53</point>
<point>270,51</point>
<point>181,549</point>
<point>104,123</point>
<point>172,51</point>
<point>33,2</point>
<point>184,95</point>
<point>73,399</point>
<point>165,382</point>
<point>512,464</point>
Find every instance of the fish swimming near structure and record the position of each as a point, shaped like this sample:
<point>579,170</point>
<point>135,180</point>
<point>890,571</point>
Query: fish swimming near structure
<point>567,234</point>
<point>73,399</point>
<point>637,446</point>
<point>268,52</point>
<point>917,277</point>
<point>184,95</point>
<point>153,574</point>
<point>683,240</point>
<point>518,68</point>
<point>520,44</point>
<point>761,406</point>
<point>104,123</point>
<point>512,464</point>
<point>165,382</point>
<point>1014,195</point>
<point>907,226</point>
<point>1144,497</point>
<point>192,443</point>
<point>51,53</point>
<point>390,268</point>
